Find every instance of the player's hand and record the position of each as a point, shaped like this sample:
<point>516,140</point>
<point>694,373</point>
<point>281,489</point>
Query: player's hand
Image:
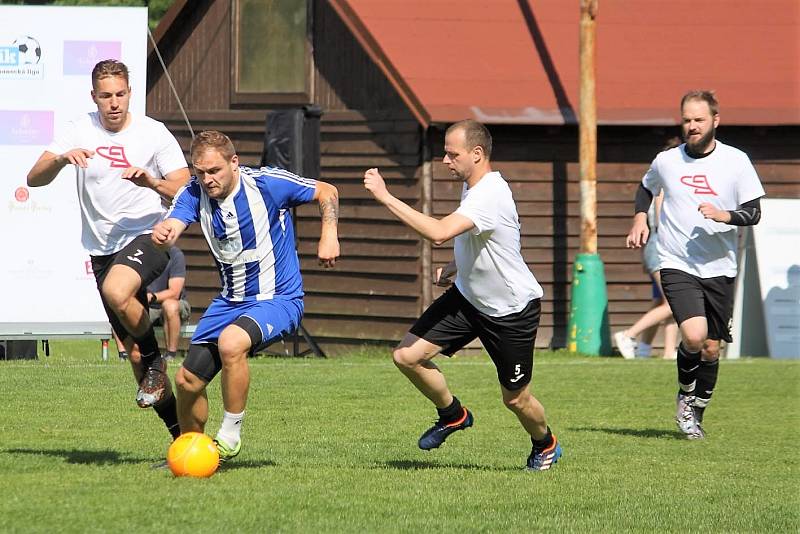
<point>328,252</point>
<point>709,211</point>
<point>373,182</point>
<point>78,156</point>
<point>139,176</point>
<point>444,275</point>
<point>164,235</point>
<point>639,233</point>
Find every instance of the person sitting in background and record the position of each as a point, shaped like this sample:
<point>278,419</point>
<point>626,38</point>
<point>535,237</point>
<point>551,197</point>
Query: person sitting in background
<point>167,298</point>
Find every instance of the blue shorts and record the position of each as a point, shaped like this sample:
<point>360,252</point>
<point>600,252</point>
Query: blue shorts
<point>276,318</point>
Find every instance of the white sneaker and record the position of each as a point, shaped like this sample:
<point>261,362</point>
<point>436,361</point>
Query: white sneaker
<point>686,418</point>
<point>626,345</point>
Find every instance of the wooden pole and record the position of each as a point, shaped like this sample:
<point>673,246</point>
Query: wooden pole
<point>588,129</point>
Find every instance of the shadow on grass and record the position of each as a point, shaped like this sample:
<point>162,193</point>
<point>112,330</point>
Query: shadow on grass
<point>635,432</point>
<point>415,465</point>
<point>246,464</point>
<point>74,456</point>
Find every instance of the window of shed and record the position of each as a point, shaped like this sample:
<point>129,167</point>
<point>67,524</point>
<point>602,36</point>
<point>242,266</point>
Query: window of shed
<point>271,52</point>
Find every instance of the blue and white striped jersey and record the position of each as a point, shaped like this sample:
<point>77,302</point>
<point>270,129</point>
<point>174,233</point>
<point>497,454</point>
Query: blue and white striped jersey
<point>250,232</point>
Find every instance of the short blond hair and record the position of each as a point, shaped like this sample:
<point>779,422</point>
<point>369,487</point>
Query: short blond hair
<point>110,68</point>
<point>475,134</point>
<point>704,96</point>
<point>212,140</point>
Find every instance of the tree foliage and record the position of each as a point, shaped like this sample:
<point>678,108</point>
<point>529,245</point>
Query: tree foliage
<point>156,8</point>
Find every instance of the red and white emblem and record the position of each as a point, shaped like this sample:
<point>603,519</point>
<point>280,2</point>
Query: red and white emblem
<point>700,184</point>
<point>116,154</point>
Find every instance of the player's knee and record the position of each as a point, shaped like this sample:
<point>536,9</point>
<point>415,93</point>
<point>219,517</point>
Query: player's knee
<point>186,381</point>
<point>116,297</point>
<point>710,351</point>
<point>233,345</point>
<point>517,401</point>
<point>405,358</point>
<point>692,342</point>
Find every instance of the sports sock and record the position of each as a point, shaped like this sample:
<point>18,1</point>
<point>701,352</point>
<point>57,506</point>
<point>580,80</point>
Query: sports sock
<point>452,413</point>
<point>644,350</point>
<point>706,380</point>
<point>688,364</point>
<point>231,429</point>
<point>148,347</point>
<point>167,411</point>
<point>542,444</point>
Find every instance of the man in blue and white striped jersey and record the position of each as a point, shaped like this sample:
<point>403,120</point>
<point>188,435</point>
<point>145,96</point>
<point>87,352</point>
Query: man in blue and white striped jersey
<point>245,216</point>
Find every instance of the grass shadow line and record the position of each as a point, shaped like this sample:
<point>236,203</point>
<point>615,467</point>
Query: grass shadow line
<point>420,465</point>
<point>83,457</point>
<point>652,433</point>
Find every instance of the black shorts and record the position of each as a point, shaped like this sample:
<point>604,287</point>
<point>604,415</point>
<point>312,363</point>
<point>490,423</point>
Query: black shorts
<point>142,256</point>
<point>451,322</point>
<point>691,296</point>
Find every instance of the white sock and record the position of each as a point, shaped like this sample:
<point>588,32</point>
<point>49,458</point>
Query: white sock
<point>231,429</point>
<point>644,350</point>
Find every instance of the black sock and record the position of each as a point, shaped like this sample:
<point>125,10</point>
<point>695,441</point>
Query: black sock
<point>452,413</point>
<point>688,365</point>
<point>542,444</point>
<point>706,380</point>
<point>148,346</point>
<point>167,411</point>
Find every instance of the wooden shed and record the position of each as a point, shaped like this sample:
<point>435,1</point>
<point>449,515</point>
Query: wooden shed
<point>391,75</point>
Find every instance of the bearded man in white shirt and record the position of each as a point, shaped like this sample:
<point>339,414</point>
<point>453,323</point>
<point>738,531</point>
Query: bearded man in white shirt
<point>710,189</point>
<point>495,296</point>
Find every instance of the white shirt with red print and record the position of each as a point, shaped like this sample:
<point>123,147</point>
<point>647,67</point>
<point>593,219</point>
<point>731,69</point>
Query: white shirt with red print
<point>686,240</point>
<point>114,210</point>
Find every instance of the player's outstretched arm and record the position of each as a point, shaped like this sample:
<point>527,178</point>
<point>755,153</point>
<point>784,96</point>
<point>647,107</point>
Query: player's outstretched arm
<point>49,165</point>
<point>435,230</point>
<point>167,187</point>
<point>167,232</point>
<point>328,248</point>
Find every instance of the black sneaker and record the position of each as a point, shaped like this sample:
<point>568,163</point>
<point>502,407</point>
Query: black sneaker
<point>153,385</point>
<point>435,435</point>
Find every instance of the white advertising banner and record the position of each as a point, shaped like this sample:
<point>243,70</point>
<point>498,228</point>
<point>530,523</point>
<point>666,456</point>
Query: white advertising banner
<point>46,58</point>
<point>777,245</point>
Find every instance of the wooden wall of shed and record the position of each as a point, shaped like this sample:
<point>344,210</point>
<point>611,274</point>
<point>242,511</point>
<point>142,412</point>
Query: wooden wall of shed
<point>541,163</point>
<point>374,292</point>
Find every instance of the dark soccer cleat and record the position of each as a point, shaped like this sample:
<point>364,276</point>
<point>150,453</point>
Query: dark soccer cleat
<point>543,459</point>
<point>435,435</point>
<point>154,384</point>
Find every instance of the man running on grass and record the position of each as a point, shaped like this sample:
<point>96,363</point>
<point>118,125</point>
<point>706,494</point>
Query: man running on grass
<point>495,297</point>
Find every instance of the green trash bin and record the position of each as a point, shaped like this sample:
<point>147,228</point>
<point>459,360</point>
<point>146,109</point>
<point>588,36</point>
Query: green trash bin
<point>588,330</point>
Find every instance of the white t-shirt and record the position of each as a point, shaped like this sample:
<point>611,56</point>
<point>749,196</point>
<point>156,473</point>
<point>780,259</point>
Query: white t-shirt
<point>114,211</point>
<point>686,240</point>
<point>492,275</point>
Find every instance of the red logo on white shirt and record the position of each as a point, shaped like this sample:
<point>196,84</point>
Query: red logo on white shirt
<point>116,154</point>
<point>700,184</point>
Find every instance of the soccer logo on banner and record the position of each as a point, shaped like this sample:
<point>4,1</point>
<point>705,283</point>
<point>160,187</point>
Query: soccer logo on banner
<point>21,59</point>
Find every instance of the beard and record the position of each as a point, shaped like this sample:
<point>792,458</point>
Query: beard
<point>702,145</point>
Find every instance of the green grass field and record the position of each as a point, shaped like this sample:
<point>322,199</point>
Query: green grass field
<point>330,446</point>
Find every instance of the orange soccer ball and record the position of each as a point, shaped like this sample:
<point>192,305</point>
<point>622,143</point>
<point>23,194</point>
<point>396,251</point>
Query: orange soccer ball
<point>193,455</point>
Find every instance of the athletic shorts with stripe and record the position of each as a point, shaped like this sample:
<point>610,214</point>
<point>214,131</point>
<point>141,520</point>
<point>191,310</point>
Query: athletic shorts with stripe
<point>691,296</point>
<point>451,322</point>
<point>142,256</point>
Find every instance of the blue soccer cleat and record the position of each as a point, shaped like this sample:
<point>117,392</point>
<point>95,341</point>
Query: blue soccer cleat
<point>542,460</point>
<point>435,435</point>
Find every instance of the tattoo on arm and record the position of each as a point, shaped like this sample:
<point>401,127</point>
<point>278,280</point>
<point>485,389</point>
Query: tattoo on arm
<point>329,210</point>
